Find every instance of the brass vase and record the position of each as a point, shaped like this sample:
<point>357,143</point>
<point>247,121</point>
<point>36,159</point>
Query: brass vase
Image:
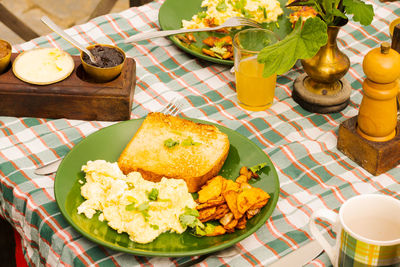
<point>322,88</point>
<point>327,67</point>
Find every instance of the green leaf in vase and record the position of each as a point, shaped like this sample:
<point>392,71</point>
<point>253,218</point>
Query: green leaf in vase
<point>303,42</point>
<point>338,13</point>
<point>362,12</point>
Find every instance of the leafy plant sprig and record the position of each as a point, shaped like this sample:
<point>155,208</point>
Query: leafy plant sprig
<point>303,42</point>
<point>307,37</point>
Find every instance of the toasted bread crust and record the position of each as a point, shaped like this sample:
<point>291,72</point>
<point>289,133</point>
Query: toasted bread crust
<point>195,164</point>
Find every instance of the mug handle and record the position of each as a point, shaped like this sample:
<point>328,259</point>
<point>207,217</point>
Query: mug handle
<point>331,217</point>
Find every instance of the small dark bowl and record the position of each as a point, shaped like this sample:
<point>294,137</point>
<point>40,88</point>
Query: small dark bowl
<point>103,74</point>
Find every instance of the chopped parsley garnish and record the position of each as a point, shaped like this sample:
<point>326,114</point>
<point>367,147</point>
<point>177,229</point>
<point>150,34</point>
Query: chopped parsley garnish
<point>189,141</point>
<point>130,207</point>
<point>258,167</point>
<point>189,218</point>
<point>240,4</point>
<point>142,208</point>
<point>169,143</point>
<point>219,43</point>
<point>202,14</point>
<point>246,13</point>
<point>208,229</point>
<point>154,226</point>
<point>221,7</point>
<point>146,215</point>
<point>263,10</point>
<point>153,194</point>
<point>218,51</point>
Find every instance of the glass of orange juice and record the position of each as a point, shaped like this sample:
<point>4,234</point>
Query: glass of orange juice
<point>254,92</point>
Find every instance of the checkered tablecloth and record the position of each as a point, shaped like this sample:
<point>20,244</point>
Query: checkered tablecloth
<point>313,174</point>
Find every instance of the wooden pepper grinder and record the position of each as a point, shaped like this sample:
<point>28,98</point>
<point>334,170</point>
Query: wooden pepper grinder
<point>377,118</point>
<point>372,139</point>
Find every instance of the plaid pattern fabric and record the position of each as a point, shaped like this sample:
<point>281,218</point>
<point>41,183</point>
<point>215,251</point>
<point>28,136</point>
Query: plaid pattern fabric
<point>354,252</point>
<point>313,173</point>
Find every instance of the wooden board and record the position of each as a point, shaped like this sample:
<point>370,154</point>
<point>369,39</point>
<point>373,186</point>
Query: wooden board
<point>76,97</point>
<point>375,157</point>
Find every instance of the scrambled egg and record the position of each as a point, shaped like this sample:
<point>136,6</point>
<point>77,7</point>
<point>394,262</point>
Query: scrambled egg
<point>130,204</point>
<point>218,11</point>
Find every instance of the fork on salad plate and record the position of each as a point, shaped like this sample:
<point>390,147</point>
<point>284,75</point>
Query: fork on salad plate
<point>229,23</point>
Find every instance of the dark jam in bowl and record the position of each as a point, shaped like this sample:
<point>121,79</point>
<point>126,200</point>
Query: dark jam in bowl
<point>107,57</point>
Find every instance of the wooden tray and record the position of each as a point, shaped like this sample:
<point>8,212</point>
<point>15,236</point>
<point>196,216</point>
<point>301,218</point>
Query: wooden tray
<point>76,97</point>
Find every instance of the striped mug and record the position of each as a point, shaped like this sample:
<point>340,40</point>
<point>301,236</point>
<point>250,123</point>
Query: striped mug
<point>367,231</point>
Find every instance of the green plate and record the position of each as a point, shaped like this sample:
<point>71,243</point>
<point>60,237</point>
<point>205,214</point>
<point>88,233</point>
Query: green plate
<point>107,144</point>
<point>172,12</point>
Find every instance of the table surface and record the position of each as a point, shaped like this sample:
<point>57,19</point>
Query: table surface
<point>302,145</point>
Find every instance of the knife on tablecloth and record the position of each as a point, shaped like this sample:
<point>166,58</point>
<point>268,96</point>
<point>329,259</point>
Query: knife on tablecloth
<point>48,168</point>
<point>297,258</point>
<point>300,256</point>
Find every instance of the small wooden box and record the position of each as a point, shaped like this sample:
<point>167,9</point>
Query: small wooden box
<point>76,97</point>
<point>375,157</point>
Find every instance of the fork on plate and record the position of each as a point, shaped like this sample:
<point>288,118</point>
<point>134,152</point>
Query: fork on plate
<point>229,23</point>
<point>171,108</point>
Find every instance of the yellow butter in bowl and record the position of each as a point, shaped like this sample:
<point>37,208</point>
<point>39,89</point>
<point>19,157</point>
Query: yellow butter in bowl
<point>43,66</point>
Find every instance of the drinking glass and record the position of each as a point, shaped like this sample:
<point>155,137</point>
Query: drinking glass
<point>254,91</point>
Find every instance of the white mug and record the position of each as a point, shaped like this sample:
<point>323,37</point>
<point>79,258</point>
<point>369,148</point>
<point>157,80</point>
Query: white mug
<point>367,231</point>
